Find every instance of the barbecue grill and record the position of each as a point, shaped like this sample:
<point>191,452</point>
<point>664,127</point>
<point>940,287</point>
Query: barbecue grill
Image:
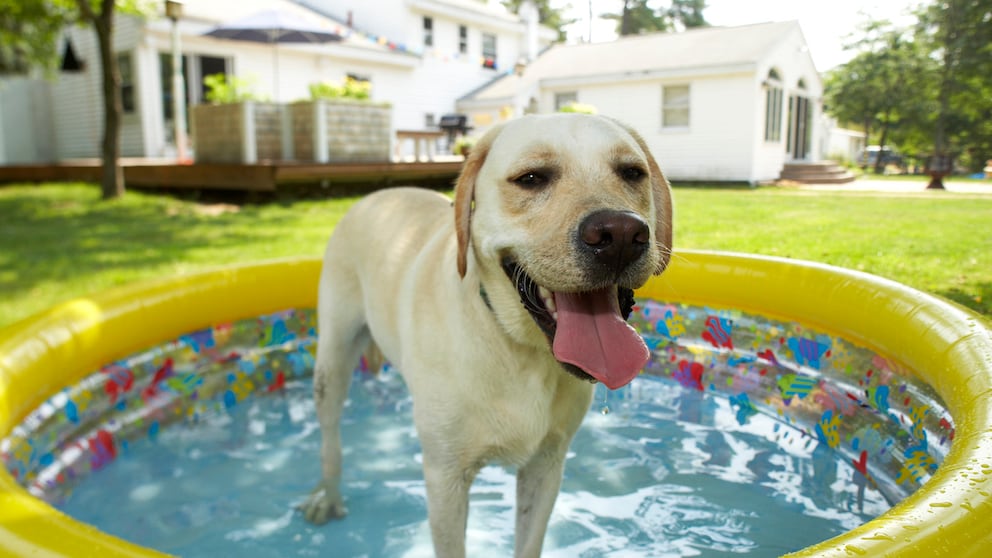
<point>454,125</point>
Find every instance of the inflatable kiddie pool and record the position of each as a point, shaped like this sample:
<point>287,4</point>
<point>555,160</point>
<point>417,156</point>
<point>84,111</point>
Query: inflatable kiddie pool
<point>895,380</point>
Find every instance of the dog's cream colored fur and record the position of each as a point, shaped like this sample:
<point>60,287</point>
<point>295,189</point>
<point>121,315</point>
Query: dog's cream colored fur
<point>404,271</point>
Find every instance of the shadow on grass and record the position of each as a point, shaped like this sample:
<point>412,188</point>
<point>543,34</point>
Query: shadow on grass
<point>978,299</point>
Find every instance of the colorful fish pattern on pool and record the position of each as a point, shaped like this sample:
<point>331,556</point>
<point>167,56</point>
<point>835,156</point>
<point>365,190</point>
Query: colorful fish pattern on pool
<point>808,352</point>
<point>690,375</point>
<point>825,393</point>
<point>796,385</point>
<point>825,388</point>
<point>718,332</point>
<point>201,372</point>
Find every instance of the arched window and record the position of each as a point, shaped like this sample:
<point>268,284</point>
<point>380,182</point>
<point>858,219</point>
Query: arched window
<point>773,106</point>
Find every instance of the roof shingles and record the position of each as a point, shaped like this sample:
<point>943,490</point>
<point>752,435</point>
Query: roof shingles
<point>710,47</point>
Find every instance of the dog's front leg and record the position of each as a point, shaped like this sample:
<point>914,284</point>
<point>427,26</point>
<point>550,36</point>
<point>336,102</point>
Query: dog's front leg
<point>448,485</point>
<point>538,483</point>
<point>331,381</point>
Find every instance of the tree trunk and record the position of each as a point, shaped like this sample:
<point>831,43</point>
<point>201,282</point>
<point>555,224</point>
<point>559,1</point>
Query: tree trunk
<point>944,108</point>
<point>626,20</point>
<point>880,159</point>
<point>112,175</point>
<point>864,150</point>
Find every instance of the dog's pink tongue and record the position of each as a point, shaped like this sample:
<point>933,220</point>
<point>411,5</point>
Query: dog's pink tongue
<point>592,335</point>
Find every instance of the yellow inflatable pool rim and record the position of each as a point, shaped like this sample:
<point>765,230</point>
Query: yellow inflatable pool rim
<point>947,347</point>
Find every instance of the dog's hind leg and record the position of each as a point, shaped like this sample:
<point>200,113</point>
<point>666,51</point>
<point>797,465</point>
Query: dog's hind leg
<point>342,337</point>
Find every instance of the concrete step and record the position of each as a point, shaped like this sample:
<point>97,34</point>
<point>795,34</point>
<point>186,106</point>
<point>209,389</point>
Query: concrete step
<point>824,172</point>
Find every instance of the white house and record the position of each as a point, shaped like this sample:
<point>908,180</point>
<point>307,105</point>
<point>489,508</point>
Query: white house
<point>841,144</point>
<point>419,55</point>
<point>460,45</point>
<point>718,103</point>
<point>25,121</point>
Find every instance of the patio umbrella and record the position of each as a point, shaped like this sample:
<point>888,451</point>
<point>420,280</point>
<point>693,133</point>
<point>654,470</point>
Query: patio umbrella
<point>273,27</point>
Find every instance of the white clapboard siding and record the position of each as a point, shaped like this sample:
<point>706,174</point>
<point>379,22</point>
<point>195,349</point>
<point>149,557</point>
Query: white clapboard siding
<point>77,98</point>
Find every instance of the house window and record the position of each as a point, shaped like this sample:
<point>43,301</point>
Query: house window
<point>127,81</point>
<point>194,69</point>
<point>462,39</point>
<point>564,99</point>
<point>489,51</point>
<point>773,107</point>
<point>428,31</point>
<point>675,106</point>
<point>165,78</point>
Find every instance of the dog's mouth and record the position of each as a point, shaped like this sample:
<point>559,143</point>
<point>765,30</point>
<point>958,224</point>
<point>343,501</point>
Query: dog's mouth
<point>588,331</point>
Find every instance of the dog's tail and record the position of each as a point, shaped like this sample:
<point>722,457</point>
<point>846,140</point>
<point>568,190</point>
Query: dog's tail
<point>372,359</point>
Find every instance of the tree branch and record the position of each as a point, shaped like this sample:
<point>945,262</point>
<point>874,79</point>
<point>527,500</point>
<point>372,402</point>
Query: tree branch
<point>86,10</point>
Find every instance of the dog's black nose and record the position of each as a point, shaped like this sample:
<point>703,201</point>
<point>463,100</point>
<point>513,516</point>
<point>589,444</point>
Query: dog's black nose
<point>614,238</point>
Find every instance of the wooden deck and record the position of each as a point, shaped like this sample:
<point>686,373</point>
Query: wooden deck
<point>262,177</point>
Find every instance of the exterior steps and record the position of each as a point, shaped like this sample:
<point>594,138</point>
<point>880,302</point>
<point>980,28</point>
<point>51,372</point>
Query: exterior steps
<point>824,172</point>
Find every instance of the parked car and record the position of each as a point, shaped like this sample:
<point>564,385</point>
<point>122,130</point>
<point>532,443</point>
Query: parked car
<point>888,155</point>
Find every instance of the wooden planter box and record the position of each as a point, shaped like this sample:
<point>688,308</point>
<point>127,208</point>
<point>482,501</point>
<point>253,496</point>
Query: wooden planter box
<point>341,131</point>
<point>310,131</point>
<point>245,133</point>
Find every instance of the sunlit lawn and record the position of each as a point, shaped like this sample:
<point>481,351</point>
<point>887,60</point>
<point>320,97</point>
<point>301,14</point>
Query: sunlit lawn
<point>60,241</point>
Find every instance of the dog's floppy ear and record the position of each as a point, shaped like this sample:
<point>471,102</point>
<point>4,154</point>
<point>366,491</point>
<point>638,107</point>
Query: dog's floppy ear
<point>662,194</point>
<point>465,197</point>
<point>664,218</point>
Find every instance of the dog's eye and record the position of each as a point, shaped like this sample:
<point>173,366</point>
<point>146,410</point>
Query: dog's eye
<point>532,179</point>
<point>631,173</point>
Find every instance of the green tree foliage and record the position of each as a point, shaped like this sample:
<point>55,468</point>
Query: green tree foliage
<point>958,33</point>
<point>637,17</point>
<point>926,89</point>
<point>646,16</point>
<point>688,13</point>
<point>29,32</point>
<point>547,15</point>
<point>878,88</point>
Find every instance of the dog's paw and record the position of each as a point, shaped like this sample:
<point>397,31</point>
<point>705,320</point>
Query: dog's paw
<point>323,505</point>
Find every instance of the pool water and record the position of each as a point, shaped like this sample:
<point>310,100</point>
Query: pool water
<point>744,435</point>
<point>656,470</point>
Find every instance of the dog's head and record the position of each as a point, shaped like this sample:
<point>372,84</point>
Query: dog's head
<point>563,215</point>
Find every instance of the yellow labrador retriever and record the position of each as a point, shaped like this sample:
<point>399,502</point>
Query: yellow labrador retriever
<point>500,312</point>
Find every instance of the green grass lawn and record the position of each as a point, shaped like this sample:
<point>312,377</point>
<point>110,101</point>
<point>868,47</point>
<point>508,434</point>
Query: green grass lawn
<point>59,241</point>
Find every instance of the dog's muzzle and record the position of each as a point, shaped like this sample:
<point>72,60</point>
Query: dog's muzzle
<point>587,331</point>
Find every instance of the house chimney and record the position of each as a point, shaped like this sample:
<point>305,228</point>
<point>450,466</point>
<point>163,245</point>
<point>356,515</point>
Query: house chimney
<point>531,17</point>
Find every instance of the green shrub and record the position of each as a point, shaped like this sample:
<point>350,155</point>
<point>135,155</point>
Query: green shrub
<point>221,90</point>
<point>350,89</point>
<point>579,108</point>
<point>463,146</point>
